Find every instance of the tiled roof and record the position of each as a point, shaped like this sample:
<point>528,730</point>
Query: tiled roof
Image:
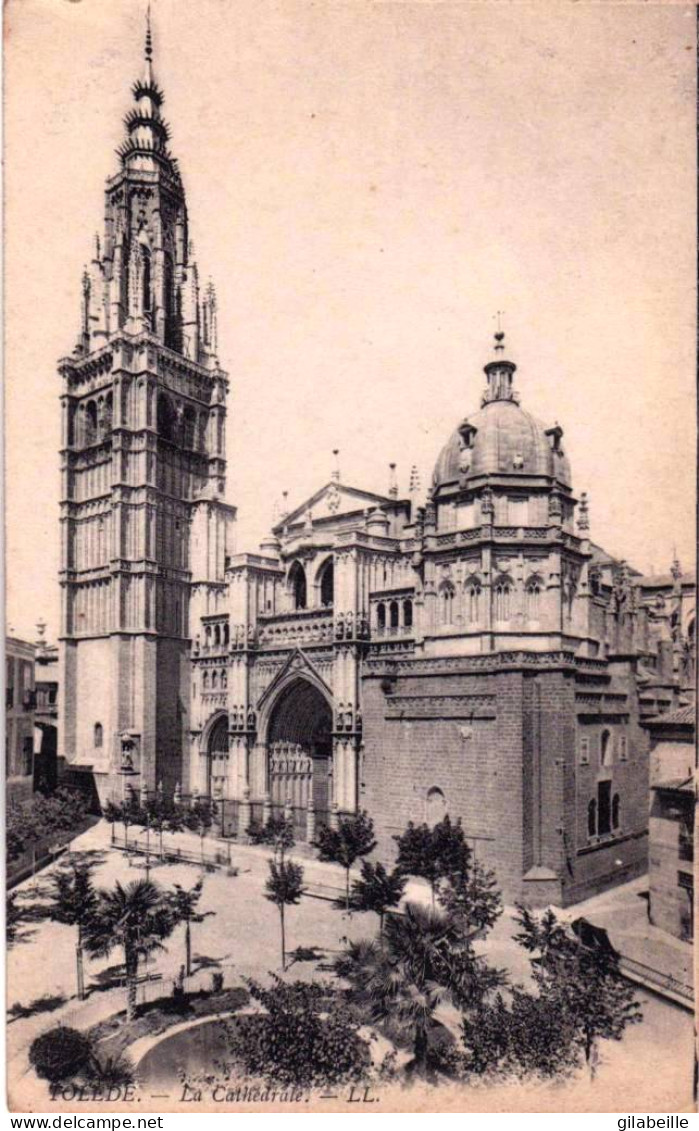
<point>681,785</point>
<point>665,580</point>
<point>681,715</point>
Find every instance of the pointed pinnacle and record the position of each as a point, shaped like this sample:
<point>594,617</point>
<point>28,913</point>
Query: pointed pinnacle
<point>149,39</point>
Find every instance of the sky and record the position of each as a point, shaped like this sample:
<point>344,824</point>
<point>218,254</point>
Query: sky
<point>367,184</point>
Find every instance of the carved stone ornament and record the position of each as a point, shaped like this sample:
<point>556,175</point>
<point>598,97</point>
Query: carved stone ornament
<point>333,498</point>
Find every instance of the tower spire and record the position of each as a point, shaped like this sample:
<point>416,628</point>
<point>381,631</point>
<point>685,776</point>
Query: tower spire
<point>148,49</point>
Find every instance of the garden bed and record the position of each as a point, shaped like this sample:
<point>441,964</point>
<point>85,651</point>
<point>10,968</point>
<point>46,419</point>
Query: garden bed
<point>115,1034</point>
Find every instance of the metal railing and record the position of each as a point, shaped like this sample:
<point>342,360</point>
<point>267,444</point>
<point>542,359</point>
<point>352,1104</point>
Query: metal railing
<point>657,980</point>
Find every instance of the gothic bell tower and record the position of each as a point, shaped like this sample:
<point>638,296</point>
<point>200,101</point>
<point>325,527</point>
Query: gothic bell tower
<point>143,472</point>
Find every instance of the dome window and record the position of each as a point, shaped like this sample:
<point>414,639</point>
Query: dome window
<point>518,461</point>
<point>467,433</point>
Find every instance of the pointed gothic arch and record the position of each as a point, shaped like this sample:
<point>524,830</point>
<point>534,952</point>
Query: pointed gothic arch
<point>298,726</point>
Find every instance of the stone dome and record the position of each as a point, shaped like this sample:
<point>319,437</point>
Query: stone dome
<point>502,439</point>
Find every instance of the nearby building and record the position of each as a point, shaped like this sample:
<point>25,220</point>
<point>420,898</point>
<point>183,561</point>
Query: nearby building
<point>20,701</point>
<point>46,713</point>
<point>471,653</point>
<point>672,769</point>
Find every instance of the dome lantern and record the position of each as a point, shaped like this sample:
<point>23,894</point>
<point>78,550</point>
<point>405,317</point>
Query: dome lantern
<point>500,374</point>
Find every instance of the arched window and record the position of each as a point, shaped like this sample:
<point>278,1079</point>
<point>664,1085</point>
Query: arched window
<point>166,418</point>
<point>147,288</point>
<point>436,806</point>
<point>226,634</point>
<point>99,736</point>
<point>503,591</point>
<point>381,616</point>
<point>190,427</point>
<point>90,422</point>
<point>297,585</point>
<point>447,603</point>
<point>615,811</point>
<point>605,749</point>
<point>205,681</point>
<point>217,635</point>
<point>224,679</point>
<point>592,818</point>
<point>394,614</point>
<point>327,585</point>
<point>408,613</point>
<point>473,601</point>
<point>532,599</point>
<point>214,680</point>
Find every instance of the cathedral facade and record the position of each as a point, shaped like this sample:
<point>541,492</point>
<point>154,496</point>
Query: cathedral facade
<point>470,652</point>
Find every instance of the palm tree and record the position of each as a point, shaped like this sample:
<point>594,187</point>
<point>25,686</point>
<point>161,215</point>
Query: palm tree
<point>426,960</point>
<point>184,908</point>
<point>136,918</point>
<point>74,902</point>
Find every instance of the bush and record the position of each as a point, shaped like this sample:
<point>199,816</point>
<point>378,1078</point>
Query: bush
<point>60,1054</point>
<point>306,1037</point>
<point>60,812</point>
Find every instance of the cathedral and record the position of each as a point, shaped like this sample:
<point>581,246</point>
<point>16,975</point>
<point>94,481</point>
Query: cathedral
<point>469,652</point>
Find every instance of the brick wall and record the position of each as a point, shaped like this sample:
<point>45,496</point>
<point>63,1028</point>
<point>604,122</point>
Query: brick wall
<point>510,774</point>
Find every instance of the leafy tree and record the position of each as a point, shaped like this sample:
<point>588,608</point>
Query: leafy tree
<point>377,890</point>
<point>34,820</point>
<point>74,901</point>
<point>471,894</point>
<point>136,918</point>
<point>200,814</point>
<point>174,822</point>
<point>583,983</point>
<point>159,815</point>
<point>277,832</point>
<point>433,853</point>
<point>352,839</point>
<point>526,1037</point>
<point>427,959</point>
<point>284,887</point>
<point>305,1037</point>
<point>184,906</point>
<point>13,917</point>
<point>128,815</point>
<point>111,813</point>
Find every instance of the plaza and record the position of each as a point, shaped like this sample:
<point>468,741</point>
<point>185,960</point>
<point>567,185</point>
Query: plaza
<point>242,940</point>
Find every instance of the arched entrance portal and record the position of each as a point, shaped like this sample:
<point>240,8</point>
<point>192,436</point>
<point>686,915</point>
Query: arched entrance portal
<point>299,751</point>
<point>217,749</point>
